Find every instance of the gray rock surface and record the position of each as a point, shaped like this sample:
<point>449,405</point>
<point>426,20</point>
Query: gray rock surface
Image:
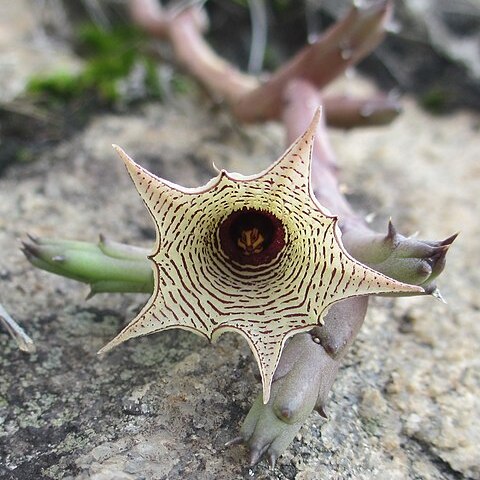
<point>406,404</point>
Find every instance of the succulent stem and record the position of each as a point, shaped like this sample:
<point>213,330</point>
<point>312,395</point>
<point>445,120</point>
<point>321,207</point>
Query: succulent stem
<point>106,266</point>
<point>251,100</point>
<point>310,362</point>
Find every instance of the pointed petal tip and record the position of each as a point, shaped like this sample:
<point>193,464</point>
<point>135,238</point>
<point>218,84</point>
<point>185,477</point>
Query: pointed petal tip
<point>266,393</point>
<point>122,337</point>
<point>109,346</point>
<point>395,286</point>
<point>312,128</point>
<point>127,160</point>
<point>408,288</point>
<point>118,150</point>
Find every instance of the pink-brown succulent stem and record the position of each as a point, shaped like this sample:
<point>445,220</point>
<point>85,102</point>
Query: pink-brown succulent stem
<point>342,46</point>
<point>301,99</point>
<point>346,111</point>
<point>196,55</point>
<point>184,30</point>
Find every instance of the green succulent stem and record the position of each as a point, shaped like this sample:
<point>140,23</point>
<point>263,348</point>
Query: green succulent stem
<point>106,266</point>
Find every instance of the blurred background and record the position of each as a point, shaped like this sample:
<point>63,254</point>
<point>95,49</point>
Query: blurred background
<point>63,60</point>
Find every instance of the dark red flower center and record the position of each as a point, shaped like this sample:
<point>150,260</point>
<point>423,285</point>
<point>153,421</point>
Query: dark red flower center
<point>252,237</point>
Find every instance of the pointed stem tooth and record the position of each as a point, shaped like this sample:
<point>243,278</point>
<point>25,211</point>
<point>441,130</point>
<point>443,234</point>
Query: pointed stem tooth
<point>437,258</point>
<point>436,293</point>
<point>26,252</point>
<point>234,441</point>
<point>417,249</point>
<point>320,410</point>
<point>256,453</point>
<point>437,262</point>
<point>91,293</point>
<point>439,252</point>
<point>32,238</point>
<point>392,231</point>
<point>30,250</point>
<point>272,459</point>
<point>448,241</point>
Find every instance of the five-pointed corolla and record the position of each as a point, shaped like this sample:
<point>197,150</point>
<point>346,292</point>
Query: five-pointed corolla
<point>255,255</point>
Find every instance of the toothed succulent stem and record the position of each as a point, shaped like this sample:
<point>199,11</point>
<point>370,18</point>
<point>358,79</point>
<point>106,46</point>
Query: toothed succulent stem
<point>406,259</point>
<point>302,382</point>
<point>310,362</point>
<point>106,266</point>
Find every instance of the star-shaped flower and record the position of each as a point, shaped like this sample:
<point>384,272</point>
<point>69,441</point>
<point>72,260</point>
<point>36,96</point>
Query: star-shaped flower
<point>256,255</point>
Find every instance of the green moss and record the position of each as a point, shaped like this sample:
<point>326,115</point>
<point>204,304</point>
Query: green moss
<point>152,81</point>
<point>435,100</point>
<point>24,155</point>
<point>111,57</point>
<point>182,83</point>
<point>282,5</point>
<point>63,85</point>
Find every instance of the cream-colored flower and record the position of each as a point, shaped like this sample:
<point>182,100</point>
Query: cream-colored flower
<point>255,255</point>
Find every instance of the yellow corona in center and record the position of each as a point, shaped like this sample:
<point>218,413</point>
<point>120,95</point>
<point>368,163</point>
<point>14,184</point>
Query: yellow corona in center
<point>251,241</point>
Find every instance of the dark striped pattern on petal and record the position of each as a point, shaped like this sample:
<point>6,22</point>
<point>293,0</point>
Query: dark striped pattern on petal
<point>199,288</point>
